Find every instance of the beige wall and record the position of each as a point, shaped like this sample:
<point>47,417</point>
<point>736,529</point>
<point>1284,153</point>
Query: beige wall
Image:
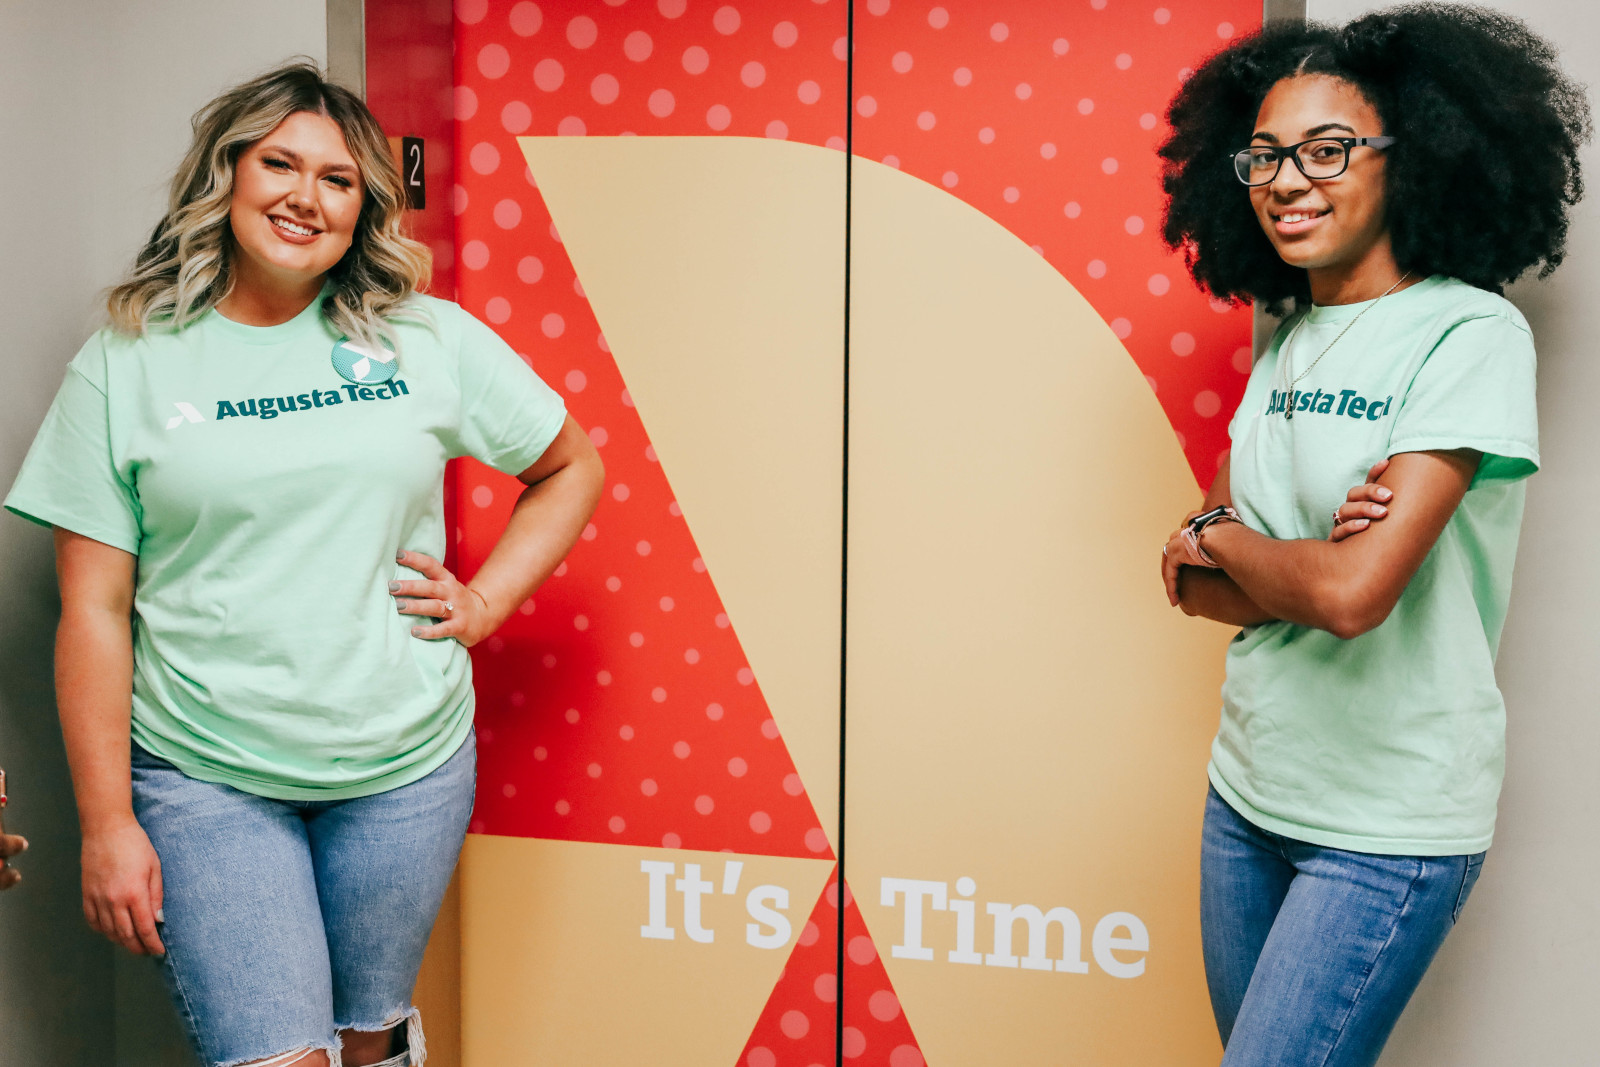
<point>1515,983</point>
<point>95,99</point>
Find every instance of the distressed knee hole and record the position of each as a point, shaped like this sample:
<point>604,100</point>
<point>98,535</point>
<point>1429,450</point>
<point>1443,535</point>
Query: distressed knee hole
<point>416,1046</point>
<point>305,1056</point>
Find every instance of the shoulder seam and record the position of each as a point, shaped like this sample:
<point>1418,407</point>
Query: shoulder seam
<point>1499,314</point>
<point>73,368</point>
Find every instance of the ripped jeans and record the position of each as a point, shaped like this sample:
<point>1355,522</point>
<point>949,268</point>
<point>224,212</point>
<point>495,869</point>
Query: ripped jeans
<point>286,921</point>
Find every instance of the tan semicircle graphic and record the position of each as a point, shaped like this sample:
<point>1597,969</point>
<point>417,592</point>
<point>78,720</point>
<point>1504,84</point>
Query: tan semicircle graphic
<point>1024,709</point>
<point>715,266</point>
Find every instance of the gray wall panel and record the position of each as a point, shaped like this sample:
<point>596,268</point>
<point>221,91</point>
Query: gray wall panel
<point>96,99</point>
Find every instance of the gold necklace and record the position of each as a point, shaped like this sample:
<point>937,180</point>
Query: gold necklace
<point>1289,384</point>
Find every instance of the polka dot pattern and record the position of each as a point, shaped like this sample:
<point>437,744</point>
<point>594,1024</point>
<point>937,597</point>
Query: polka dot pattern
<point>796,1028</point>
<point>670,738</point>
<point>405,54</point>
<point>877,1031</point>
<point>1043,116</point>
<point>667,708</point>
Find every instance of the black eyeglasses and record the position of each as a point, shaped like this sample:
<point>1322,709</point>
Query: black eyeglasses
<point>1318,158</point>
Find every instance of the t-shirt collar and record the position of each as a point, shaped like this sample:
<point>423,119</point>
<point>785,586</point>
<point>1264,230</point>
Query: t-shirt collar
<point>1322,314</point>
<point>307,320</point>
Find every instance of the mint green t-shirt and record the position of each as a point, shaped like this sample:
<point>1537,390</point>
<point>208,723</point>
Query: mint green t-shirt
<point>265,497</point>
<point>1392,742</point>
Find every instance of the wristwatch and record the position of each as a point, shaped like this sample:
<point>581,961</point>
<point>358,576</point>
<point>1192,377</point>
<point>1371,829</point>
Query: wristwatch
<point>1191,532</point>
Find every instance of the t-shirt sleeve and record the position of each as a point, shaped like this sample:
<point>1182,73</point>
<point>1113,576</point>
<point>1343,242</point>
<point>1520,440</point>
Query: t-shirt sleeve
<point>70,477</point>
<point>509,415</point>
<point>1476,390</point>
<point>1262,370</point>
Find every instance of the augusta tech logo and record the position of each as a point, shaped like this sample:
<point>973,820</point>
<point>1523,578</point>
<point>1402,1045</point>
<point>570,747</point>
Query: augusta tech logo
<point>186,413</point>
<point>1345,402</point>
<point>359,364</point>
<point>270,407</point>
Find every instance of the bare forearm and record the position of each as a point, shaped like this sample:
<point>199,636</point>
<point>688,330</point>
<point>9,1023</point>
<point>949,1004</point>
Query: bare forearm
<point>544,525</point>
<point>94,695</point>
<point>1348,584</point>
<point>1211,594</point>
<point>1312,583</point>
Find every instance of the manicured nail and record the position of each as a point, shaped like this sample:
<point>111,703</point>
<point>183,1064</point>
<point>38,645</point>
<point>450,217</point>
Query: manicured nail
<point>416,631</point>
<point>394,587</point>
<point>400,556</point>
<point>1381,509</point>
<point>160,916</point>
<point>1383,494</point>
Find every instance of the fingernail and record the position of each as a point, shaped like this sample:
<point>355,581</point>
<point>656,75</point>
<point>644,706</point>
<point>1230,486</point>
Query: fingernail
<point>160,916</point>
<point>400,556</point>
<point>394,587</point>
<point>416,631</point>
<point>1383,494</point>
<point>1381,509</point>
<point>1361,522</point>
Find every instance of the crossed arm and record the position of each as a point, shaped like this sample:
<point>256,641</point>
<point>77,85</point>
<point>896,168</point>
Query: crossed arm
<point>1347,584</point>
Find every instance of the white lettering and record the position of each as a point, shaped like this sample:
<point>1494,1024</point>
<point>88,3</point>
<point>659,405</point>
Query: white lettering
<point>966,950</point>
<point>1138,940</point>
<point>1116,936</point>
<point>657,927</point>
<point>693,888</point>
<point>730,877</point>
<point>911,947</point>
<point>1005,918</point>
<point>756,904</point>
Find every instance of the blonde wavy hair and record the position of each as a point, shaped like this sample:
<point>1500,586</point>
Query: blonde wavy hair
<point>184,268</point>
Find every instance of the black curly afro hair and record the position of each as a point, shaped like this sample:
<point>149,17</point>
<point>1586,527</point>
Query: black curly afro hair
<point>1479,180</point>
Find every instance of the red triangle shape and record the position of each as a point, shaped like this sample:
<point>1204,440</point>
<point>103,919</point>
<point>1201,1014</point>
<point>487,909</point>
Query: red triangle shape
<point>618,706</point>
<point>797,1027</point>
<point>621,708</point>
<point>798,1024</point>
<point>876,1030</point>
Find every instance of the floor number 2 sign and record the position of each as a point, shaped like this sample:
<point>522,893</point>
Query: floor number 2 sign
<point>411,170</point>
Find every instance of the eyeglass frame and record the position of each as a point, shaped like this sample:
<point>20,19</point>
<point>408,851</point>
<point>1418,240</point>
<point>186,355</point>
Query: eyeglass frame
<point>1293,152</point>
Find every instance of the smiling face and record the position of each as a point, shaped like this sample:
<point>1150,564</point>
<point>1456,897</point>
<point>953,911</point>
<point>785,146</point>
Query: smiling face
<point>297,195</point>
<point>1334,224</point>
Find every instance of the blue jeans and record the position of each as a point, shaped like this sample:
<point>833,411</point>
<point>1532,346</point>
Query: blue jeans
<point>286,921</point>
<point>1312,953</point>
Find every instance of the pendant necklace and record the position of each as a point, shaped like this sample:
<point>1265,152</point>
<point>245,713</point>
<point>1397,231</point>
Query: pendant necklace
<point>1289,384</point>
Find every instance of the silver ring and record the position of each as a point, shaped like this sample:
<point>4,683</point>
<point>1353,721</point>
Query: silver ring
<point>449,607</point>
<point>1336,519</point>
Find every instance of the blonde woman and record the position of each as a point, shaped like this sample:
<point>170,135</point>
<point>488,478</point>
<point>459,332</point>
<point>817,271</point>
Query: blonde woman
<point>261,666</point>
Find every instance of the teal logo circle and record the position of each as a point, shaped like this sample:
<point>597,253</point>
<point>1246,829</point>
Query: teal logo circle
<point>361,365</point>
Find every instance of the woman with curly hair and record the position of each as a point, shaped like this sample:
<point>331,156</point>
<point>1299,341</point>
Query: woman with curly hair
<point>261,667</point>
<point>1380,183</point>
